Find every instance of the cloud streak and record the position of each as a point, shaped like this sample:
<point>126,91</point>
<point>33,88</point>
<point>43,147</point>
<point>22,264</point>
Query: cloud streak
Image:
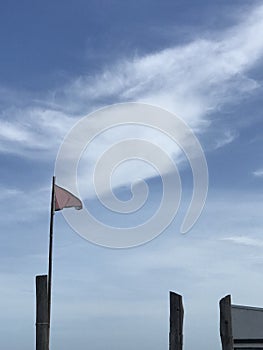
<point>258,173</point>
<point>27,205</point>
<point>245,240</point>
<point>33,132</point>
<point>191,80</point>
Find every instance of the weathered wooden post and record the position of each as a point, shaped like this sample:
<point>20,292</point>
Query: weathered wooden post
<point>42,324</point>
<point>176,322</point>
<point>226,323</point>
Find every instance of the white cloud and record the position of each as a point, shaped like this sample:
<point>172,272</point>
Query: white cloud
<point>227,137</point>
<point>245,240</point>
<point>191,80</point>
<point>26,204</point>
<point>258,173</point>
<point>33,132</point>
<point>8,193</point>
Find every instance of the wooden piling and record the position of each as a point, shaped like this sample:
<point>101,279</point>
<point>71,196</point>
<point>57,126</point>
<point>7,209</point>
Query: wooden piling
<point>42,325</point>
<point>176,322</point>
<point>226,323</point>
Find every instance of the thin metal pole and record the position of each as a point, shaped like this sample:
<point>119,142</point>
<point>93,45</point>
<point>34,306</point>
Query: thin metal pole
<point>52,212</point>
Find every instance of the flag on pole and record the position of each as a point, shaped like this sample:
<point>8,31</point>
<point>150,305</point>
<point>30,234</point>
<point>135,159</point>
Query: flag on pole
<point>65,199</point>
<point>60,199</point>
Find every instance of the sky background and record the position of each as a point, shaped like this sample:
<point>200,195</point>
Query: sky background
<point>61,60</point>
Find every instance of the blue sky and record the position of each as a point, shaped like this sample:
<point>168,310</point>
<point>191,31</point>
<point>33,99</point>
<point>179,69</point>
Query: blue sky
<point>60,61</point>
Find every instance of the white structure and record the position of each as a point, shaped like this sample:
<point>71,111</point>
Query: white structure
<point>247,327</point>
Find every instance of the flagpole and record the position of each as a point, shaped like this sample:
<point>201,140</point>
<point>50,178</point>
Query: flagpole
<point>52,212</point>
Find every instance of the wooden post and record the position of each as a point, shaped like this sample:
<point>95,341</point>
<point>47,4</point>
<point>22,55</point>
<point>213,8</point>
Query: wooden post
<point>42,324</point>
<point>176,322</point>
<point>226,323</point>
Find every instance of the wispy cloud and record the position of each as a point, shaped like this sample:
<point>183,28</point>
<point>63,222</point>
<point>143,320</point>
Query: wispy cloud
<point>26,204</point>
<point>33,131</point>
<point>7,193</point>
<point>258,173</point>
<point>245,240</point>
<point>227,137</point>
<point>191,80</point>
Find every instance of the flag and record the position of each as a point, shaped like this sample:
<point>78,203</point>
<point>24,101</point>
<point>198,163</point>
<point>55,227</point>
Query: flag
<point>65,199</point>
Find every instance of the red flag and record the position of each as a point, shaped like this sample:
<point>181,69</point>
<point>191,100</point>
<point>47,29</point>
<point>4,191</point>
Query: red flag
<point>65,199</point>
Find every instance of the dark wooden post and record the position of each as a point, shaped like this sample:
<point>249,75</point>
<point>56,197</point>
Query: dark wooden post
<point>226,323</point>
<point>176,322</point>
<point>42,324</point>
